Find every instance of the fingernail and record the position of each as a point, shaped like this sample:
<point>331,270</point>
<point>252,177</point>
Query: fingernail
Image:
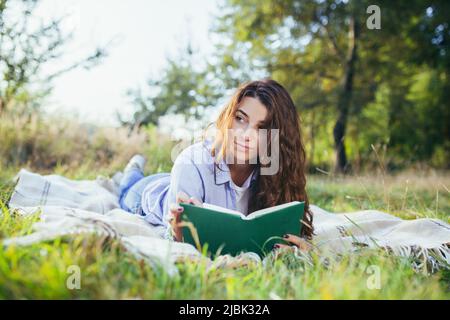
<point>276,246</point>
<point>286,236</point>
<point>179,209</point>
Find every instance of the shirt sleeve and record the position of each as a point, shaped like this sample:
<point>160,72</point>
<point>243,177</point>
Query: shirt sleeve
<point>185,176</point>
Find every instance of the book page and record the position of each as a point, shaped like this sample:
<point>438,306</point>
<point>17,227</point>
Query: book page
<point>262,212</point>
<point>252,215</point>
<point>222,209</point>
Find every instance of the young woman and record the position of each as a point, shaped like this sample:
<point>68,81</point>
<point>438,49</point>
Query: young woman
<point>227,170</point>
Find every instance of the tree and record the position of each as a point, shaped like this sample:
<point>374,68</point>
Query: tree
<point>25,48</point>
<point>180,89</point>
<point>331,62</point>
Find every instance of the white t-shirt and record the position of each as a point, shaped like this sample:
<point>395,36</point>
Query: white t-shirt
<point>242,194</point>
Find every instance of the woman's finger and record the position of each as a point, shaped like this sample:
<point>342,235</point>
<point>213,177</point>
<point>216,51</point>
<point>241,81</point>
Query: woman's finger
<point>195,201</point>
<point>281,249</point>
<point>282,246</point>
<point>301,243</point>
<point>176,231</point>
<point>182,197</point>
<point>176,210</point>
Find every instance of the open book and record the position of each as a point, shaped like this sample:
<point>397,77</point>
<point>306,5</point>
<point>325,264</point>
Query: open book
<point>227,231</point>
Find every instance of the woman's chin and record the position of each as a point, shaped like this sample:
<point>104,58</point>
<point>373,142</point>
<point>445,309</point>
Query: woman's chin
<point>243,158</point>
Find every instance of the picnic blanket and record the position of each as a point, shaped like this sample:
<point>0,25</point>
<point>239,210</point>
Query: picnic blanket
<point>68,207</point>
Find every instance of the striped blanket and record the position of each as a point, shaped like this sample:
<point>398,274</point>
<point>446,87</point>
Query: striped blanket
<point>69,207</point>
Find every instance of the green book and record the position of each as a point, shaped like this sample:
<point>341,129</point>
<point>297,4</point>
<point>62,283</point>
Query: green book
<point>228,231</point>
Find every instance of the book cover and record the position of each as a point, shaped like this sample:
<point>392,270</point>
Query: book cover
<point>230,232</point>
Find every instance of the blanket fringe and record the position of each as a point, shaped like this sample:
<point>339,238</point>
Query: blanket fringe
<point>427,260</point>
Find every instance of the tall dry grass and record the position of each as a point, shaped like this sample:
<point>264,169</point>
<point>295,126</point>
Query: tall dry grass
<point>55,144</point>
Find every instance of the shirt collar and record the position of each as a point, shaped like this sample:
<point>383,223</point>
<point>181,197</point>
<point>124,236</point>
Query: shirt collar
<point>222,174</point>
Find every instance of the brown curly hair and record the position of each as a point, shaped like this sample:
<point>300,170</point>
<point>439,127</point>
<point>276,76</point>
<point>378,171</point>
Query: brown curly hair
<point>289,184</point>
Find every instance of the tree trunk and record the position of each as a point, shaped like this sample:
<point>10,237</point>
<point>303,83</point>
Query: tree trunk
<point>344,99</point>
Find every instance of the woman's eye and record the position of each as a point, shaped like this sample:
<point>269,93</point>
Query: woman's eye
<point>239,118</point>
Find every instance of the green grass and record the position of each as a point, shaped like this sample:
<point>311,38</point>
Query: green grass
<point>108,271</point>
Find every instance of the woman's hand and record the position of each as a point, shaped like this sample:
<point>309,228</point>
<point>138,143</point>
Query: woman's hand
<point>295,242</point>
<point>176,210</point>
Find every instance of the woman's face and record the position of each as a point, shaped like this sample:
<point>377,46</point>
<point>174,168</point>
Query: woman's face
<point>243,138</point>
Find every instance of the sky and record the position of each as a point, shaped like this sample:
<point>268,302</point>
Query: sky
<point>139,35</point>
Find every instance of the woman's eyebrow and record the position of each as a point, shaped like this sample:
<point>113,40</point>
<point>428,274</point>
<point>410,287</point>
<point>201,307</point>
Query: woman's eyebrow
<point>242,112</point>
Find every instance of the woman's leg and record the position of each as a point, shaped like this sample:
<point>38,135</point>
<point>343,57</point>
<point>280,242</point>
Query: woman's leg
<point>130,178</point>
<point>131,199</point>
<point>133,172</point>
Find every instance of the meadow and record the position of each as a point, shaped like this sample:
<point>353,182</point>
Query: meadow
<point>108,271</point>
<point>373,105</point>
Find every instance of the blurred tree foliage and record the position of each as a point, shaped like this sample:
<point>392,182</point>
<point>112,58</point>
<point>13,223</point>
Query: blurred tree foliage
<point>357,89</point>
<point>359,86</point>
<point>26,45</point>
<point>181,88</point>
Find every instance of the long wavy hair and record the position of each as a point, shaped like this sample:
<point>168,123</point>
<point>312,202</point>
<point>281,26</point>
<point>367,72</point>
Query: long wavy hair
<point>289,183</point>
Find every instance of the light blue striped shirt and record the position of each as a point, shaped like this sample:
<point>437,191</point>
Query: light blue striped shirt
<point>195,174</point>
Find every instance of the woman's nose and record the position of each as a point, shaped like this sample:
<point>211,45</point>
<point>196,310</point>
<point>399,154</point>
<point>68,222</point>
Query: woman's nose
<point>250,133</point>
